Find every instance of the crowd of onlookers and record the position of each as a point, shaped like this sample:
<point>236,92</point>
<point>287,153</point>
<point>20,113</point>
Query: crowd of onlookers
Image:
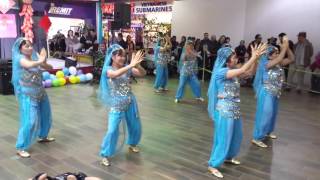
<point>208,47</point>
<point>302,48</point>
<point>60,44</point>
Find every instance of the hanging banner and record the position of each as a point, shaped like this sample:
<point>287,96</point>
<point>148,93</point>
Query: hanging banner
<point>152,7</point>
<point>8,26</point>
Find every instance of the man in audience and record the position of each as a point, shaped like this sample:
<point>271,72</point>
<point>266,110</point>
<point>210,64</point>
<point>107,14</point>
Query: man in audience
<point>214,40</point>
<point>121,42</point>
<point>303,54</point>
<point>227,42</point>
<point>181,45</point>
<point>206,48</point>
<point>241,51</point>
<point>215,48</point>
<point>257,41</point>
<point>174,43</point>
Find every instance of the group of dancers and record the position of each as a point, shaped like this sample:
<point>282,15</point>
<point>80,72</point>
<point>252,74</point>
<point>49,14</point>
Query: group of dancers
<point>187,67</point>
<point>116,94</point>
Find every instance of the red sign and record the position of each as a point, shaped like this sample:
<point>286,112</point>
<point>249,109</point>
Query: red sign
<point>108,8</point>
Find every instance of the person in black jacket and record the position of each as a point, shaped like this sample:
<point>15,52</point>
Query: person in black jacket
<point>206,48</point>
<point>121,42</point>
<point>241,51</point>
<point>181,45</point>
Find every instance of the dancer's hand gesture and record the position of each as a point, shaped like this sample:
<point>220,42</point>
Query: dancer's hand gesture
<point>42,57</point>
<point>285,43</point>
<point>136,58</point>
<point>258,50</point>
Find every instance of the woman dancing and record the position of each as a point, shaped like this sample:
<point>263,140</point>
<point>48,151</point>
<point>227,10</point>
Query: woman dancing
<point>162,54</point>
<point>188,73</point>
<point>267,85</point>
<point>223,106</point>
<point>115,92</point>
<point>34,105</point>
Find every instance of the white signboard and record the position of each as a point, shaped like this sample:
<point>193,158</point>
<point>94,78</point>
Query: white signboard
<point>152,7</point>
<point>60,11</point>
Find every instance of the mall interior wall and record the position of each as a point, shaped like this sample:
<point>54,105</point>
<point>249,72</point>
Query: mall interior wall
<point>270,17</point>
<point>242,19</point>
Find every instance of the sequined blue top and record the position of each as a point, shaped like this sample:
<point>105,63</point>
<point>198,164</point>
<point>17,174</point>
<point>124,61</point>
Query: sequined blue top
<point>228,103</point>
<point>120,92</point>
<point>163,58</point>
<point>31,83</point>
<point>273,80</point>
<point>189,66</point>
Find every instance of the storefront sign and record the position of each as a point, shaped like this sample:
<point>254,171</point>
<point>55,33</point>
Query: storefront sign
<point>107,8</point>
<point>8,27</point>
<point>108,11</point>
<point>60,11</point>
<point>152,7</point>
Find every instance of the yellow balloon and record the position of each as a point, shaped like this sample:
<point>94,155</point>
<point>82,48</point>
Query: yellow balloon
<point>78,79</point>
<point>59,74</point>
<point>62,81</point>
<point>73,79</point>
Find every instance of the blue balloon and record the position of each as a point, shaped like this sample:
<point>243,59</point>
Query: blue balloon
<point>89,76</point>
<point>65,71</point>
<point>79,72</point>
<point>52,77</point>
<point>45,75</point>
<point>83,78</point>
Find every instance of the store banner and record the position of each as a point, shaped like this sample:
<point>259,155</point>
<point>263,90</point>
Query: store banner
<point>60,11</point>
<point>108,11</point>
<point>152,7</point>
<point>8,26</point>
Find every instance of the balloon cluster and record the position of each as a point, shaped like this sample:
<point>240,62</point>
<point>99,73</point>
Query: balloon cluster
<point>66,76</point>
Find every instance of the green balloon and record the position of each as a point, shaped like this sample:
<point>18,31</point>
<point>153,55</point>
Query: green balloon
<point>56,83</point>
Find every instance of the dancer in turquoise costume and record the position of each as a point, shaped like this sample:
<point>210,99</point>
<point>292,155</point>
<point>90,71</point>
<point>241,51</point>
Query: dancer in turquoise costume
<point>223,106</point>
<point>115,93</point>
<point>267,85</point>
<point>188,68</point>
<point>162,54</point>
<point>34,105</point>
